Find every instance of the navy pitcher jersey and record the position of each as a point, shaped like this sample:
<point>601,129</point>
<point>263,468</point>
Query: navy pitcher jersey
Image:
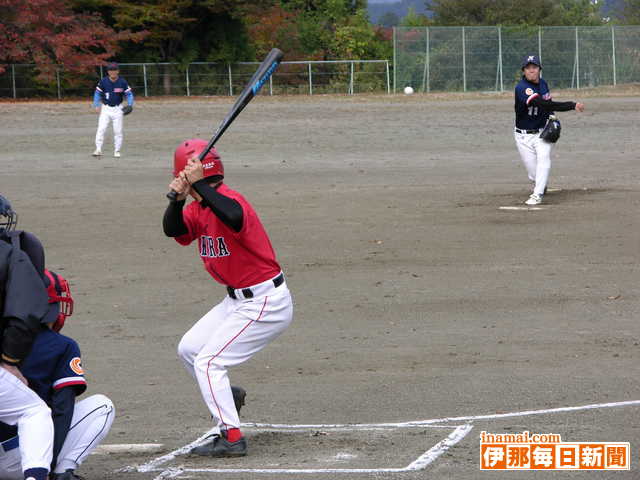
<point>112,93</point>
<point>529,117</point>
<point>53,363</point>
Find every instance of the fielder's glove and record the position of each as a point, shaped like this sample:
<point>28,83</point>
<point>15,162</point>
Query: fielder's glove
<point>127,110</point>
<point>238,397</point>
<point>551,131</point>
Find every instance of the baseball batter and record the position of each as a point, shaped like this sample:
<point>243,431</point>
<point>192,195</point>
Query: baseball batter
<point>107,100</point>
<point>54,371</point>
<point>533,105</point>
<point>236,251</point>
<point>23,303</point>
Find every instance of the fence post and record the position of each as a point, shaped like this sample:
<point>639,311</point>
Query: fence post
<point>500,55</point>
<point>58,82</point>
<point>230,81</point>
<point>310,81</point>
<point>395,63</point>
<point>464,64</point>
<point>351,80</point>
<point>270,84</point>
<point>540,43</point>
<point>13,80</point>
<point>187,73</point>
<point>613,53</point>
<point>144,76</point>
<point>388,81</point>
<point>577,61</point>
<point>426,74</point>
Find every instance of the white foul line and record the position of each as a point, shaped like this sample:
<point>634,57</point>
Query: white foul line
<point>422,462</point>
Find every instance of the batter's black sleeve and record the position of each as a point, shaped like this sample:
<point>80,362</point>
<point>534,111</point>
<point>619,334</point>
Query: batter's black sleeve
<point>173,223</point>
<point>228,210</point>
<point>62,404</point>
<point>24,303</point>
<point>553,106</point>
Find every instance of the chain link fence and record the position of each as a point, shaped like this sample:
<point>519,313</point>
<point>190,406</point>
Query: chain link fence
<point>489,58</point>
<point>347,77</point>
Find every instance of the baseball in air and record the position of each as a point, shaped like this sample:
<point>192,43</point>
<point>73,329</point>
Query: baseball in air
<point>408,90</point>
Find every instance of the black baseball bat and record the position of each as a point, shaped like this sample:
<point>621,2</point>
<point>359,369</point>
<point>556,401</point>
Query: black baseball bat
<point>262,74</point>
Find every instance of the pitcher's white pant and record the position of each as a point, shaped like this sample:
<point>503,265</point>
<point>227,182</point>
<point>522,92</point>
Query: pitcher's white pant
<point>21,406</point>
<point>536,156</point>
<point>92,419</point>
<point>110,114</point>
<point>230,334</point>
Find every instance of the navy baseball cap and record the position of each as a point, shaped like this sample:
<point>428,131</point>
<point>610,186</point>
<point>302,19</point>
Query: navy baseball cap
<point>112,66</point>
<point>531,59</point>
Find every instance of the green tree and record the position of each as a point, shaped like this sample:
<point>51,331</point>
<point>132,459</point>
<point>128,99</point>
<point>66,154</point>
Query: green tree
<point>389,19</point>
<point>412,19</point>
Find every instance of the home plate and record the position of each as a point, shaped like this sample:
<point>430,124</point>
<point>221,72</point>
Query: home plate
<point>129,448</point>
<point>520,208</point>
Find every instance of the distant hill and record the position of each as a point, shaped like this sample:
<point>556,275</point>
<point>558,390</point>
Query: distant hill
<point>401,8</point>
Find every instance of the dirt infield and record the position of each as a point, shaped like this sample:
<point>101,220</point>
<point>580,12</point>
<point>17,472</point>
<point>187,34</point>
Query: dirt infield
<point>416,296</point>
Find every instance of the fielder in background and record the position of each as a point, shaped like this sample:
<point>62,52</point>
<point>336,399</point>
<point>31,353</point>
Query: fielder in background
<point>237,253</point>
<point>107,101</point>
<point>23,303</point>
<point>54,371</point>
<point>533,105</point>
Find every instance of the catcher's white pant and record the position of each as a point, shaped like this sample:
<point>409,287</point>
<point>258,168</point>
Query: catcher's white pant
<point>230,334</point>
<point>92,419</point>
<point>536,156</point>
<point>110,114</point>
<point>21,406</point>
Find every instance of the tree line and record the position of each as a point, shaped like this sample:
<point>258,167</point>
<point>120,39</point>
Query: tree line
<point>80,34</point>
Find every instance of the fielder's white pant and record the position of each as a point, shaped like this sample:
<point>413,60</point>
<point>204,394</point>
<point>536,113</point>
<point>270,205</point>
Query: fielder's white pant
<point>230,334</point>
<point>21,406</point>
<point>92,419</point>
<point>110,114</point>
<point>536,156</point>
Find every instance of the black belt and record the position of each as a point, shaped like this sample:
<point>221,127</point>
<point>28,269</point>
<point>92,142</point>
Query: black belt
<point>279,280</point>
<point>10,444</point>
<point>528,131</point>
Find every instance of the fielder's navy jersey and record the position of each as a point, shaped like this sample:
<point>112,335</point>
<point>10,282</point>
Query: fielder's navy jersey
<point>53,363</point>
<point>530,117</point>
<point>111,93</point>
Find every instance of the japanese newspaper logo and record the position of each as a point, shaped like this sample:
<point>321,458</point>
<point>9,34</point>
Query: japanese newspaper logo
<point>547,451</point>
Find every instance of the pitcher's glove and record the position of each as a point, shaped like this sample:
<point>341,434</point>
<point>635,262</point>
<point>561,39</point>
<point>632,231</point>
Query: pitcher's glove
<point>551,131</point>
<point>127,110</point>
<point>238,396</point>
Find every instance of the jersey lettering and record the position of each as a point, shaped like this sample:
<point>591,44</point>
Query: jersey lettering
<point>213,248</point>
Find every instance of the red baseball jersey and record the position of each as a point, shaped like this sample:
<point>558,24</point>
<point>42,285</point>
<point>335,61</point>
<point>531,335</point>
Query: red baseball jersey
<point>238,259</point>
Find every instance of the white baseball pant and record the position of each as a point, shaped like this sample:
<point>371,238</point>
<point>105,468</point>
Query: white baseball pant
<point>536,157</point>
<point>92,419</point>
<point>228,335</point>
<point>110,114</point>
<point>21,406</point>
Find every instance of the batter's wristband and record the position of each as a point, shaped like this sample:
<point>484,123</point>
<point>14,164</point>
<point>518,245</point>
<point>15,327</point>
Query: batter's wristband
<point>9,360</point>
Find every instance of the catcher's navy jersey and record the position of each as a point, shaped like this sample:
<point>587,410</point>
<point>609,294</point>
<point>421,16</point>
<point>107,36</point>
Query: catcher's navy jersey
<point>54,363</point>
<point>530,117</point>
<point>111,93</point>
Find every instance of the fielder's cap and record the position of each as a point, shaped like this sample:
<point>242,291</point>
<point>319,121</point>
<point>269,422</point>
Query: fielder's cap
<point>112,66</point>
<point>531,59</point>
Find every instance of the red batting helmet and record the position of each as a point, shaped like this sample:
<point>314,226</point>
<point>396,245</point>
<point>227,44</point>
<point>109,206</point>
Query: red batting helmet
<point>211,163</point>
<point>60,300</point>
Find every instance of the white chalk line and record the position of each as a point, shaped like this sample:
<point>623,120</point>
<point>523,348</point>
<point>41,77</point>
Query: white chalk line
<point>422,462</point>
<point>153,464</point>
<point>423,423</point>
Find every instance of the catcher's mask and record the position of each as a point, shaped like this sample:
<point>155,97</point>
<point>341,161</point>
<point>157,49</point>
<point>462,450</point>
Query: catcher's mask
<point>211,163</point>
<point>8,218</point>
<point>60,300</point>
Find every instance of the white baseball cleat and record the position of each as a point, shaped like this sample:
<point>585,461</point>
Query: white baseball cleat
<point>97,153</point>
<point>534,199</point>
<point>116,154</point>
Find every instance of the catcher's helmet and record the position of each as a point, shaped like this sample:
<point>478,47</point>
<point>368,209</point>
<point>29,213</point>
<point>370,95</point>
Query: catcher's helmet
<point>211,163</point>
<point>531,59</point>
<point>60,300</point>
<point>8,218</point>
